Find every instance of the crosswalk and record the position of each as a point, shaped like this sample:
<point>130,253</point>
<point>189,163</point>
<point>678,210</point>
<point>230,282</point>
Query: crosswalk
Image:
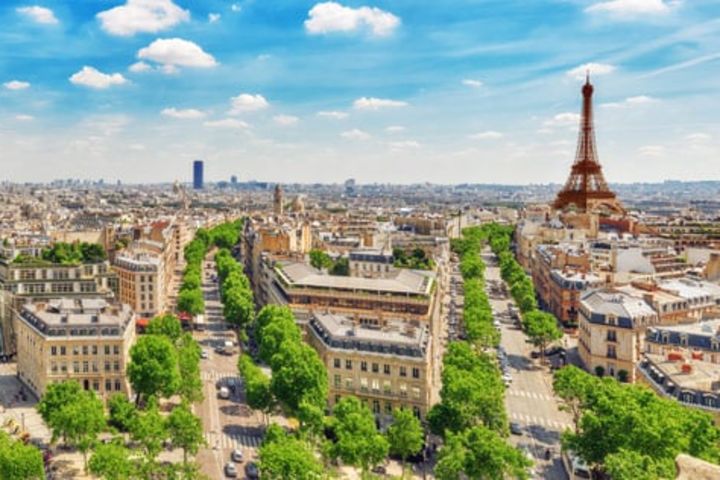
<point>543,422</point>
<point>232,441</point>
<point>215,376</point>
<point>533,395</point>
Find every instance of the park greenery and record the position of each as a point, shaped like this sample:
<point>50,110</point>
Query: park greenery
<point>64,253</point>
<point>417,259</point>
<point>322,261</point>
<point>629,432</point>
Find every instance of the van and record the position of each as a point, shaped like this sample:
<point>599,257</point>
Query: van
<point>575,466</point>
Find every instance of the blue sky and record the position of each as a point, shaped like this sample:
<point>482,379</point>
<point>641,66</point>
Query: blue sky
<point>383,91</point>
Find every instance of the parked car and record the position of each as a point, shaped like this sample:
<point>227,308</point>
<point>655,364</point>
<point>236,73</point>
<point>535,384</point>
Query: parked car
<point>251,471</point>
<point>236,455</point>
<point>231,470</point>
<point>554,351</point>
<point>515,428</point>
<point>224,393</point>
<point>204,354</point>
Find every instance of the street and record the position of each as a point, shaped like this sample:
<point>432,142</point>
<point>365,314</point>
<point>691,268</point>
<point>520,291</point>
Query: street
<point>529,400</point>
<point>229,423</point>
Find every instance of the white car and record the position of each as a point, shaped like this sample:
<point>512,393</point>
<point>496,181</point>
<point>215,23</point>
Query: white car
<point>224,393</point>
<point>204,354</point>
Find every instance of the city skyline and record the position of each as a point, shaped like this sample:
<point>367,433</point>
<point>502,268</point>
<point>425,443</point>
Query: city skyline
<point>463,92</point>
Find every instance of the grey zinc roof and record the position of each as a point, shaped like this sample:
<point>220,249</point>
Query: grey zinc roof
<point>616,303</point>
<point>405,281</point>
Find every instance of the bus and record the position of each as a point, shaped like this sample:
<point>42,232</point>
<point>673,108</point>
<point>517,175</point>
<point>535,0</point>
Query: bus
<point>575,466</point>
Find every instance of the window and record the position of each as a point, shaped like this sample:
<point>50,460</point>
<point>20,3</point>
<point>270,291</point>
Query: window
<point>348,364</point>
<point>416,392</point>
<point>387,388</point>
<point>612,336</point>
<point>403,372</point>
<point>388,408</point>
<point>416,373</point>
<point>107,349</point>
<point>611,353</point>
<point>416,411</point>
<point>108,385</point>
<point>376,385</point>
<point>96,385</point>
<point>403,390</point>
<point>375,368</point>
<point>107,366</point>
<point>76,350</point>
<point>336,363</point>
<point>63,367</point>
<point>53,367</point>
<point>363,366</point>
<point>376,406</point>
<point>363,384</point>
<point>348,383</point>
<point>116,349</point>
<point>53,350</point>
<point>118,386</point>
<point>116,366</point>
<point>94,367</point>
<point>76,367</point>
<point>85,367</point>
<point>62,350</point>
<point>386,369</point>
<point>85,350</point>
<point>94,349</point>
<point>337,380</point>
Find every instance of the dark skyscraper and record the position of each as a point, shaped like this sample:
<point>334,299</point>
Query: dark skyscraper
<point>198,174</point>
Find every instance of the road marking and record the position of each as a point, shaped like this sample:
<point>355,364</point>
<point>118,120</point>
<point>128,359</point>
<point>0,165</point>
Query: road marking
<point>527,394</point>
<point>532,420</point>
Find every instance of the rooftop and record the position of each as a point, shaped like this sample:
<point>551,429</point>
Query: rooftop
<point>50,317</point>
<point>617,303</point>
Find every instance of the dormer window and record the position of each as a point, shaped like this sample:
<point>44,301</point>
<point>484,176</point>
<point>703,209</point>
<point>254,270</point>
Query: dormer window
<point>684,340</point>
<point>612,320</point>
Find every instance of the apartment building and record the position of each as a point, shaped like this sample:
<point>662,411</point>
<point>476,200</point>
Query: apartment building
<point>83,339</point>
<point>143,280</point>
<point>611,330</point>
<point>409,295</point>
<point>386,367</point>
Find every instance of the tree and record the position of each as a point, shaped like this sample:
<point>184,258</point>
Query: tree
<point>80,421</point>
<point>599,370</point>
<point>358,441</point>
<point>288,458</point>
<point>150,430</point>
<point>153,367</point>
<point>573,386</point>
<point>19,461</point>
<point>111,461</point>
<point>274,333</point>
<point>257,386</point>
<point>341,267</point>
<point>185,430</point>
<point>167,325</point>
<point>623,375</point>
<point>122,412</point>
<point>479,453</point>
<point>190,387</point>
<point>319,259</point>
<point>238,306</point>
<point>630,465</point>
<point>191,301</point>
<point>541,328</point>
<point>57,395</point>
<point>298,374</point>
<point>405,434</point>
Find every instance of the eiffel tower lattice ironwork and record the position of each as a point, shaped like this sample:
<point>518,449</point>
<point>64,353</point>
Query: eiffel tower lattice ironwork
<point>586,188</point>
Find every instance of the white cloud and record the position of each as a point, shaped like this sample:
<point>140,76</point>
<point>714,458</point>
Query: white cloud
<point>140,67</point>
<point>24,118</point>
<point>404,144</point>
<point>697,137</point>
<point>285,120</point>
<point>329,17</point>
<point>93,78</point>
<point>595,69</point>
<point>183,114</point>
<point>564,119</point>
<point>247,102</point>
<point>16,85</point>
<point>395,129</point>
<point>142,16</point>
<point>469,82</point>
<point>372,103</point>
<point>227,123</point>
<point>355,134</point>
<point>487,135</point>
<point>333,114</point>
<point>236,7</point>
<point>213,17</point>
<point>651,150</point>
<point>624,8</point>
<point>39,14</point>
<point>630,102</point>
<point>176,52</point>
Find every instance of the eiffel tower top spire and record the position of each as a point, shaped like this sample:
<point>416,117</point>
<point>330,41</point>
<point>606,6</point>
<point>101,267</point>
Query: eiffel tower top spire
<point>586,188</point>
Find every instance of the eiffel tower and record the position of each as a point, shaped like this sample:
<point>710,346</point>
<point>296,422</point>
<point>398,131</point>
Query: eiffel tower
<point>586,189</point>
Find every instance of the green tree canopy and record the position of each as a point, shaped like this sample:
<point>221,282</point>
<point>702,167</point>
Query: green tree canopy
<point>283,457</point>
<point>122,412</point>
<point>191,301</point>
<point>319,259</point>
<point>19,461</point>
<point>153,367</point>
<point>111,461</point>
<point>405,434</point>
<point>167,325</point>
<point>185,430</point>
<point>150,430</point>
<point>298,374</point>
<point>358,441</point>
<point>542,329</point>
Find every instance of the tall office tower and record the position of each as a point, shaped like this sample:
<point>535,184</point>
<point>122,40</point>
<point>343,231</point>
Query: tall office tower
<point>278,200</point>
<point>198,174</point>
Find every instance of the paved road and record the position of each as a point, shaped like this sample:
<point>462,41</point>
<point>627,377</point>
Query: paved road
<point>228,424</point>
<point>529,399</point>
